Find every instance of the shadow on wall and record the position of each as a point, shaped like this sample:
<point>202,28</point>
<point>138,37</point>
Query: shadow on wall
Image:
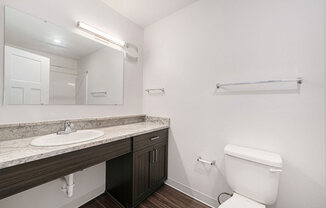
<point>220,180</point>
<point>179,179</point>
<point>289,198</point>
<point>175,160</point>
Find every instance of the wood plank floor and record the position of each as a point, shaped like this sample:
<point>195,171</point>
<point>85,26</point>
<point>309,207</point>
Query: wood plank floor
<point>165,197</point>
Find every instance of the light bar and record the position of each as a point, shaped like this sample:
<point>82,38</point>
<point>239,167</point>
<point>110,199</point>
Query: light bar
<point>100,34</point>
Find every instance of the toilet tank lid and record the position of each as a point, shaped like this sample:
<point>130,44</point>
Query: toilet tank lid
<point>254,155</point>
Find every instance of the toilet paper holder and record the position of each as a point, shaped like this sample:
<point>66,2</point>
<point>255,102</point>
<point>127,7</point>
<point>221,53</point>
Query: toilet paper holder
<point>199,159</point>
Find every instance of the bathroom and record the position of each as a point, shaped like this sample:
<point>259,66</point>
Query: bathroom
<point>176,64</point>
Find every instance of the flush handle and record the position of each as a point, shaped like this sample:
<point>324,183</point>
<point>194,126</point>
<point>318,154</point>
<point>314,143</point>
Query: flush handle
<point>274,170</point>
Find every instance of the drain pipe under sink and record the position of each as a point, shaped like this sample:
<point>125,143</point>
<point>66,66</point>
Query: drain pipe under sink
<point>68,185</point>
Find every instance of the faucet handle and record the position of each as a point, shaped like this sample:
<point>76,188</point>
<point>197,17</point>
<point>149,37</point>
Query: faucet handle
<point>67,123</point>
<point>68,128</point>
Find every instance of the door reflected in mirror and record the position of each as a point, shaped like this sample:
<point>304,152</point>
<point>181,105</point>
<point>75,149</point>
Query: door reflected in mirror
<point>45,64</point>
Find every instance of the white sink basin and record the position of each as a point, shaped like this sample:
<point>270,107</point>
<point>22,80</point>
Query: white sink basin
<point>72,138</point>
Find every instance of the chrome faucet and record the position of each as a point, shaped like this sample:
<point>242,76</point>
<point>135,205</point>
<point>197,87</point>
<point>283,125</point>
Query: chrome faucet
<point>68,128</point>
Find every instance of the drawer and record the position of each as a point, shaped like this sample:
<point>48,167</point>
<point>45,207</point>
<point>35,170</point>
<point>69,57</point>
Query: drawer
<point>149,139</point>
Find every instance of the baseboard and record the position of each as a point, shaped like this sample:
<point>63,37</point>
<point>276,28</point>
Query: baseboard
<point>203,198</point>
<point>85,198</point>
<point>199,196</point>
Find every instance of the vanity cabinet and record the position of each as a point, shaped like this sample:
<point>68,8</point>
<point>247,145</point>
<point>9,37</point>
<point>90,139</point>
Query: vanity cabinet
<point>141,172</point>
<point>150,170</point>
<point>148,166</point>
<point>136,167</point>
<point>28,175</point>
<point>158,167</point>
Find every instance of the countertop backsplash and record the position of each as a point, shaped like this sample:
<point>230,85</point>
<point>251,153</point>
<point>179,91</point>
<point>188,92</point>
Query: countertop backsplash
<point>32,129</point>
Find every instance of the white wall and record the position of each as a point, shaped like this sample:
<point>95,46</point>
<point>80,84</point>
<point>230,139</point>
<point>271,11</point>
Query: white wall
<point>105,73</point>
<point>213,41</point>
<point>62,87</point>
<point>90,182</point>
<point>66,14</point>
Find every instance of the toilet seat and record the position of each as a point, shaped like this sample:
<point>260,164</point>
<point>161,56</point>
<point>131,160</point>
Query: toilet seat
<point>238,201</point>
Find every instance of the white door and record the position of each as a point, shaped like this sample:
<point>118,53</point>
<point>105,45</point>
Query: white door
<point>26,77</point>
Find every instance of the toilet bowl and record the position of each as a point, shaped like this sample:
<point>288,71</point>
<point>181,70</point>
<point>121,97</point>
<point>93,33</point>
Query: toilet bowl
<point>238,201</point>
<point>253,176</point>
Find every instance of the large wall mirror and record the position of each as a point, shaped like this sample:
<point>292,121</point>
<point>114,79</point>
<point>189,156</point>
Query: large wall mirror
<point>46,64</point>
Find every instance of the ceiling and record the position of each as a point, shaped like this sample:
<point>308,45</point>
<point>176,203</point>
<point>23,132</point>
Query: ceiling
<point>146,12</point>
<point>25,31</point>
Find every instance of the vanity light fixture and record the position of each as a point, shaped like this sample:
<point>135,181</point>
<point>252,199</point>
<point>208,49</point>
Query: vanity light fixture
<point>100,34</point>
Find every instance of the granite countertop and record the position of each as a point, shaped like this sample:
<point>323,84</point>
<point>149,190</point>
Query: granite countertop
<point>19,151</point>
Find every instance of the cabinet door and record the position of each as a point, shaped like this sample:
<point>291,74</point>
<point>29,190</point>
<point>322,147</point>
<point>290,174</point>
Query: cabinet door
<point>142,160</point>
<point>158,170</point>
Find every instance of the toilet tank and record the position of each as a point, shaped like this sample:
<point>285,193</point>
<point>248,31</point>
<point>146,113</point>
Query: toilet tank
<point>253,173</point>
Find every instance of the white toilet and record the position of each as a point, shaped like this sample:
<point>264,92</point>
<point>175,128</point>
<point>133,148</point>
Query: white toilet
<point>253,176</point>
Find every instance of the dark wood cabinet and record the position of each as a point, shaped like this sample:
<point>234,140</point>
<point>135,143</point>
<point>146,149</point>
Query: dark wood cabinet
<point>136,167</point>
<point>158,167</point>
<point>22,177</point>
<point>148,167</point>
<point>141,172</point>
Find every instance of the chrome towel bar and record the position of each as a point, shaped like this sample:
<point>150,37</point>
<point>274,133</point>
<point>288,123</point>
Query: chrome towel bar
<point>199,159</point>
<point>298,80</point>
